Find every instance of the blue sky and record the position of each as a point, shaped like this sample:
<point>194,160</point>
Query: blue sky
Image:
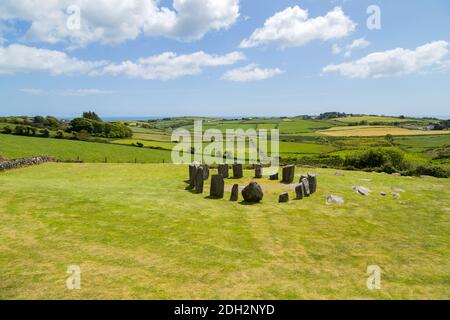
<point>291,66</point>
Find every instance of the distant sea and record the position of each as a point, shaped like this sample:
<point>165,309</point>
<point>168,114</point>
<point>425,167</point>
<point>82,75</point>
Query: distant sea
<point>127,118</point>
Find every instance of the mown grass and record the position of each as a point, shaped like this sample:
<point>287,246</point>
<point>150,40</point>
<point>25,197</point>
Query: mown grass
<point>137,234</point>
<point>70,150</point>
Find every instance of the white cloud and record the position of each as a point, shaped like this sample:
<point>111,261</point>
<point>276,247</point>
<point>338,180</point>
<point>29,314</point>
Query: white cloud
<point>165,66</point>
<point>169,65</point>
<point>293,28</point>
<point>115,21</point>
<point>395,62</point>
<point>251,73</point>
<point>34,92</point>
<point>19,58</point>
<point>84,92</point>
<point>348,49</point>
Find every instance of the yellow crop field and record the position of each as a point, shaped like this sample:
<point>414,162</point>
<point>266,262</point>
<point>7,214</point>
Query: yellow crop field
<point>373,131</point>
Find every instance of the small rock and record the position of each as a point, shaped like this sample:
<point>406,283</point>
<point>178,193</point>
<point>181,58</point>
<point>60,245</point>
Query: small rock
<point>362,190</point>
<point>396,195</point>
<point>398,190</point>
<point>274,177</point>
<point>284,197</point>
<point>340,174</point>
<point>397,174</point>
<point>332,199</point>
<point>382,193</point>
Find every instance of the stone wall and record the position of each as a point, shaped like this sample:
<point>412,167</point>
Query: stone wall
<point>19,163</point>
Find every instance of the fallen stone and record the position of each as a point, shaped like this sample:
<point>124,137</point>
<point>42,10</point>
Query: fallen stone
<point>284,197</point>
<point>362,190</point>
<point>288,174</point>
<point>217,186</point>
<point>234,193</point>
<point>253,193</point>
<point>332,199</point>
<point>382,193</point>
<point>274,177</point>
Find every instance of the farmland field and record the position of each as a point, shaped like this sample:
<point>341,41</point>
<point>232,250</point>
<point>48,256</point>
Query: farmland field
<point>128,228</point>
<point>374,131</point>
<point>69,150</point>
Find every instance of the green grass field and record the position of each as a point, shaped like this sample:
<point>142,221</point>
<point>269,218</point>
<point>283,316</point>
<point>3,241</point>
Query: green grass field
<point>137,234</point>
<point>69,150</point>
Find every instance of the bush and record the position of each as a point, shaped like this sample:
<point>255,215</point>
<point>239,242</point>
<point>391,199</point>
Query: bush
<point>45,133</point>
<point>389,160</point>
<point>434,171</point>
<point>59,135</point>
<point>7,130</point>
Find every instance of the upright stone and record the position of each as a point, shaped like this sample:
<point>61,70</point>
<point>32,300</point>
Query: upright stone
<point>258,171</point>
<point>288,174</point>
<point>238,172</point>
<point>299,191</point>
<point>223,170</point>
<point>206,172</point>
<point>235,193</point>
<point>192,175</point>
<point>253,193</point>
<point>284,197</point>
<point>312,179</point>
<point>306,190</point>
<point>199,180</point>
<point>217,186</point>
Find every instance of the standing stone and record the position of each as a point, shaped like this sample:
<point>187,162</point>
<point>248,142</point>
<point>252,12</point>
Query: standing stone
<point>306,190</point>
<point>206,172</point>
<point>258,171</point>
<point>217,186</point>
<point>274,177</point>
<point>253,193</point>
<point>199,180</point>
<point>299,191</point>
<point>223,170</point>
<point>284,197</point>
<point>192,175</point>
<point>312,179</point>
<point>235,193</point>
<point>288,174</point>
<point>238,172</point>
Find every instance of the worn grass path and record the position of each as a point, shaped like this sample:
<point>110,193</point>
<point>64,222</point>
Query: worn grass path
<point>137,234</point>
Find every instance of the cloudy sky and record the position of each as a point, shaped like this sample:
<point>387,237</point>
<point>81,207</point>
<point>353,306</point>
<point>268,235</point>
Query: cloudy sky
<point>224,57</point>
